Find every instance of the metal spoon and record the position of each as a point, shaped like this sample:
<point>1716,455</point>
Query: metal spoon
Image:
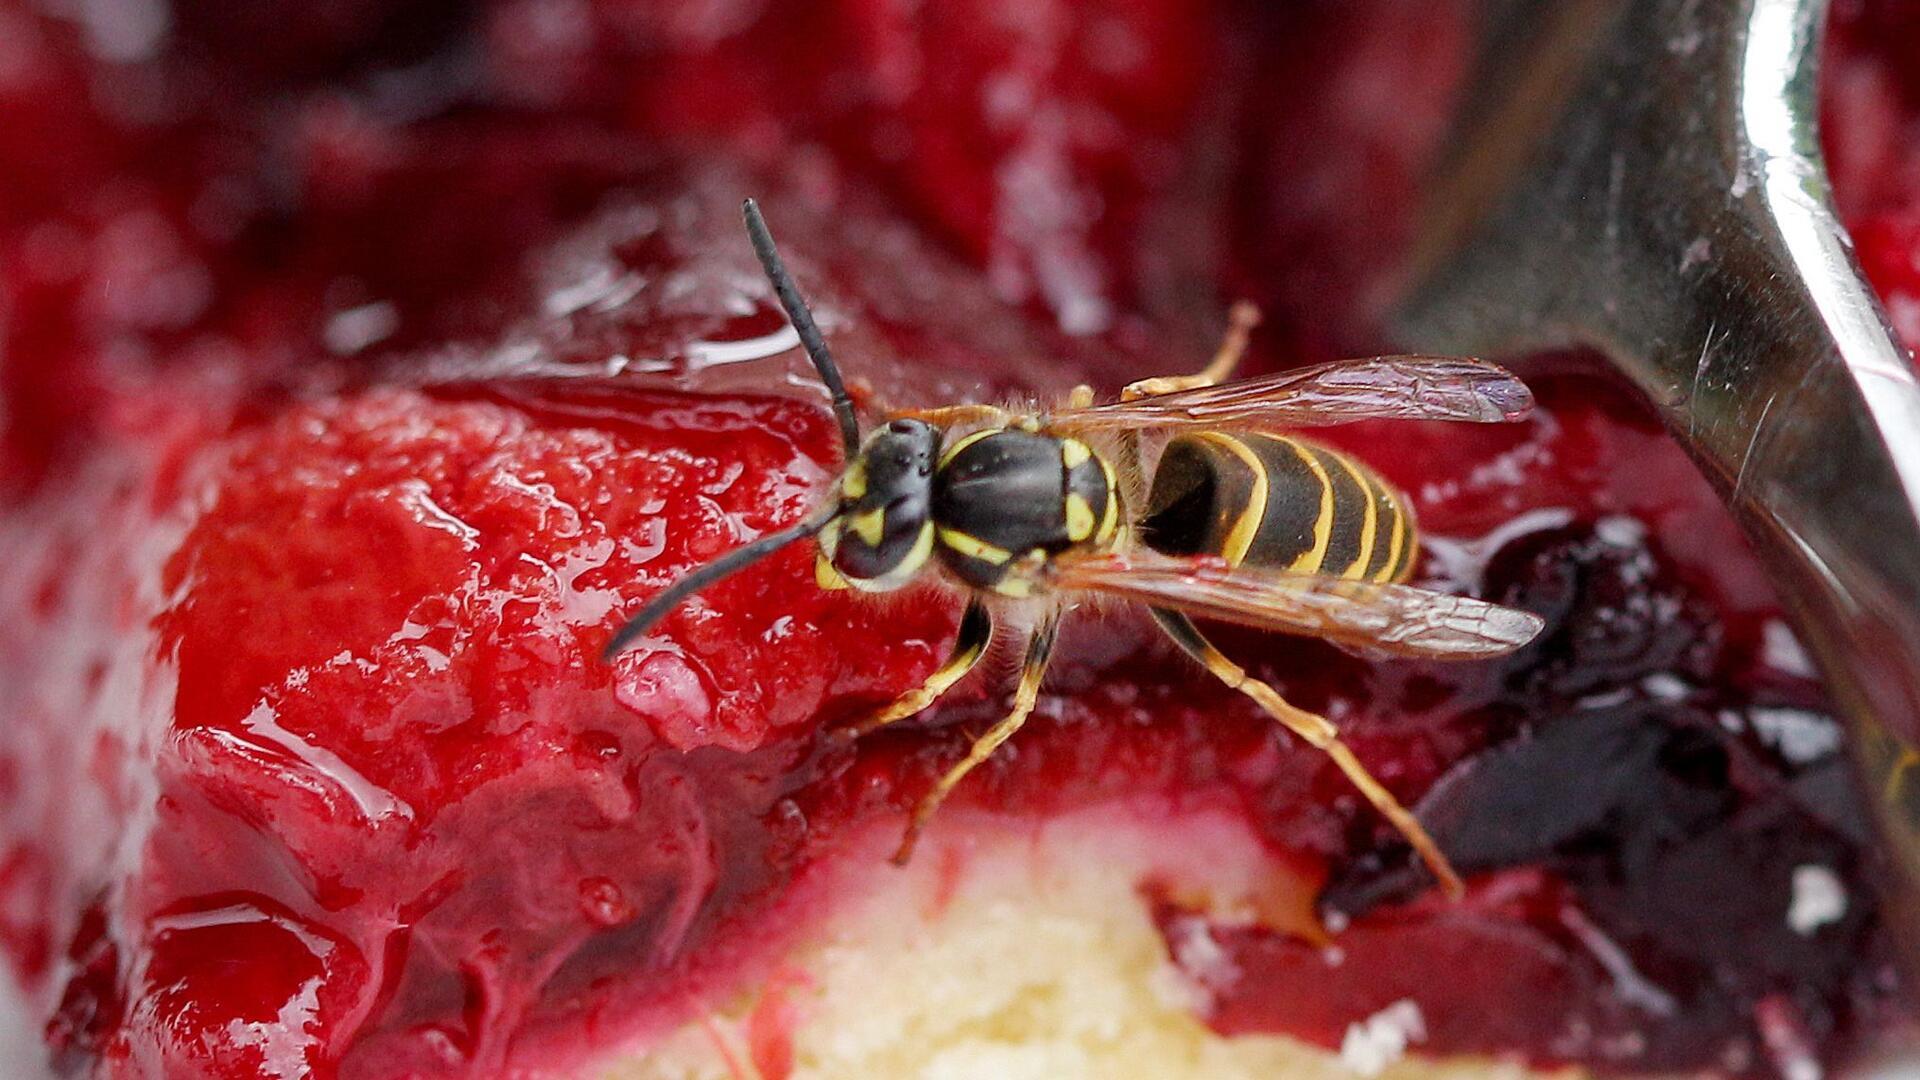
<point>1643,177</point>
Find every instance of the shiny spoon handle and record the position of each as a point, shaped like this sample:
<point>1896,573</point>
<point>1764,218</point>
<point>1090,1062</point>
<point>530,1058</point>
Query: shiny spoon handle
<point>1655,191</point>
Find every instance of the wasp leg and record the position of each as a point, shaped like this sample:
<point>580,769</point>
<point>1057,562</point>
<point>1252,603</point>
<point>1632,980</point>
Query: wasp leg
<point>864,395</point>
<point>1241,320</point>
<point>976,631</point>
<point>1897,776</point>
<point>1319,732</point>
<point>1032,670</point>
<point>951,415</point>
<point>1240,323</point>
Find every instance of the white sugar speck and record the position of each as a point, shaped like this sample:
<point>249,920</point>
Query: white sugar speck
<point>1819,899</point>
<point>1782,651</point>
<point>1799,735</point>
<point>1664,686</point>
<point>1198,955</point>
<point>349,331</point>
<point>1619,530</point>
<point>1382,1039</point>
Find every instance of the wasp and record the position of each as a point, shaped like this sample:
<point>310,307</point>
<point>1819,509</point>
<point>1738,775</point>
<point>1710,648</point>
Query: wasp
<point>1029,511</point>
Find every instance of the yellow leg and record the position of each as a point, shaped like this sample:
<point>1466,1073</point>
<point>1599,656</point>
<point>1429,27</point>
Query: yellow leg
<point>1032,670</point>
<point>1240,323</point>
<point>976,632</point>
<point>950,415</point>
<point>1319,732</point>
<point>1897,776</point>
<point>1241,320</point>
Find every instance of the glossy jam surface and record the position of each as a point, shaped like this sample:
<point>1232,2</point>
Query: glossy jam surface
<point>356,385</point>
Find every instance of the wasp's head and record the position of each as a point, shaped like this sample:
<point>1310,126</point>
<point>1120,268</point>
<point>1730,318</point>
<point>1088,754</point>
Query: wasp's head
<point>883,532</point>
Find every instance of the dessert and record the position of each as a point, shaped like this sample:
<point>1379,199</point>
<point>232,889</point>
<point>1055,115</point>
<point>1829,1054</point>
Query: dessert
<point>365,367</point>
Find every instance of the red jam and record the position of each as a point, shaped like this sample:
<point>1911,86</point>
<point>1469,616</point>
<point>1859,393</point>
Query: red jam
<point>363,364</point>
<point>1870,121</point>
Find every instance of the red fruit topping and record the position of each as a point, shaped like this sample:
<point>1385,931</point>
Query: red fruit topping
<point>349,407</point>
<point>240,990</point>
<point>1870,127</point>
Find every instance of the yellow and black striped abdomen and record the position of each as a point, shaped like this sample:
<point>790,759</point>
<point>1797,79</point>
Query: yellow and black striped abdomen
<point>1273,501</point>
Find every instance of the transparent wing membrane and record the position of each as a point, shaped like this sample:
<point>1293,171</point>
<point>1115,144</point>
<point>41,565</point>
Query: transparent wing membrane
<point>1399,619</point>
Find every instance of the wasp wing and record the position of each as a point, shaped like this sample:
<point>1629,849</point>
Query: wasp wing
<point>1385,387</point>
<point>1398,619</point>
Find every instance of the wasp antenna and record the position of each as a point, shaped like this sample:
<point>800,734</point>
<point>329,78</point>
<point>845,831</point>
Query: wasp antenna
<point>803,324</point>
<point>733,561</point>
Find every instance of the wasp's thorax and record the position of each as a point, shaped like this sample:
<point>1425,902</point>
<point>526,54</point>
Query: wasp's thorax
<point>883,533</point>
<point>1007,500</point>
<point>993,506</point>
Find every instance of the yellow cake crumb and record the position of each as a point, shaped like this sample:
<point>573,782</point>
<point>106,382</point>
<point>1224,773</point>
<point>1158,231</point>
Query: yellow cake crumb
<point>1025,954</point>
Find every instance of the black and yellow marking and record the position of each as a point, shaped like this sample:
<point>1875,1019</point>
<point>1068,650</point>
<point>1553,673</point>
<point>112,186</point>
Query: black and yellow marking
<point>882,535</point>
<point>1396,541</point>
<point>825,575</point>
<point>1110,520</point>
<point>955,448</point>
<point>885,558</point>
<point>1009,499</point>
<point>853,483</point>
<point>1278,502</point>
